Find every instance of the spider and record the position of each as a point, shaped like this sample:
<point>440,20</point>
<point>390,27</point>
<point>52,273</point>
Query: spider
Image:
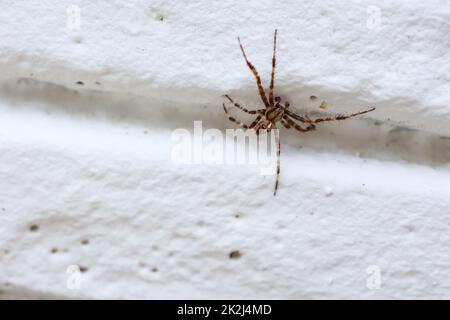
<point>275,111</point>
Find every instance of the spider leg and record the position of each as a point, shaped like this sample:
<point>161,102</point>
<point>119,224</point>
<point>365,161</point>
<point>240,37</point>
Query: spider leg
<point>285,124</point>
<point>237,105</point>
<point>278,163</point>
<point>272,79</point>
<point>255,73</point>
<point>232,119</point>
<point>254,123</point>
<point>297,127</point>
<point>296,116</point>
<point>341,117</point>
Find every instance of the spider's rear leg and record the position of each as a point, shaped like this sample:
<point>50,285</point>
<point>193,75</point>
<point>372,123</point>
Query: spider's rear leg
<point>341,117</point>
<point>278,162</point>
<point>255,122</point>
<point>232,119</point>
<point>296,126</point>
<point>296,116</point>
<point>285,124</point>
<point>237,105</point>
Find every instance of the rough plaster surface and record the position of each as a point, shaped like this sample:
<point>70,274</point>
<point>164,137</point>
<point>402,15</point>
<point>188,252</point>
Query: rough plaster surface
<point>86,176</point>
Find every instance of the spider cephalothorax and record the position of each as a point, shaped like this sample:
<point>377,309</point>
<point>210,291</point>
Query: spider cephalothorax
<point>275,111</point>
<point>272,115</point>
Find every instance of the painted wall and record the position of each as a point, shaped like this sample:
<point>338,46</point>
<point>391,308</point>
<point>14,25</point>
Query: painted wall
<point>94,204</point>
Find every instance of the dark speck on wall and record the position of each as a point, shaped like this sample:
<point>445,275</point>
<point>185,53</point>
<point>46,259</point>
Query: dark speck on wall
<point>235,254</point>
<point>83,269</point>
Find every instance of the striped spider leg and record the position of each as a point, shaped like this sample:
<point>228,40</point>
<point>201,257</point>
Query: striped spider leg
<point>274,111</point>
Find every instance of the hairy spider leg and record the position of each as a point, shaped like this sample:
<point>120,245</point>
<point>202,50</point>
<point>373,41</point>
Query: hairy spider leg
<point>232,119</point>
<point>237,105</point>
<point>296,126</point>
<point>255,73</point>
<point>272,79</point>
<point>278,162</point>
<point>285,124</point>
<point>296,116</point>
<point>255,122</point>
<point>341,117</point>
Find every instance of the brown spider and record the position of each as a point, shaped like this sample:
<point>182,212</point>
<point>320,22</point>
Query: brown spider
<point>274,111</point>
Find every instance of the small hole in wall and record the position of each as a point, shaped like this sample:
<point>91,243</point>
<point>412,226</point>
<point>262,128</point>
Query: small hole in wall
<point>80,83</point>
<point>97,83</point>
<point>312,98</point>
<point>142,264</point>
<point>161,18</point>
<point>237,215</point>
<point>201,223</point>
<point>84,241</point>
<point>34,227</point>
<point>54,250</point>
<point>83,269</point>
<point>236,254</point>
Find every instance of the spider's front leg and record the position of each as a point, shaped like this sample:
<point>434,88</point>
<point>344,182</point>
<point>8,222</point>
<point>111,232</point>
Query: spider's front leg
<point>341,117</point>
<point>255,73</point>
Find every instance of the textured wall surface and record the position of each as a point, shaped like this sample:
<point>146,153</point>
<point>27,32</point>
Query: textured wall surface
<point>92,204</point>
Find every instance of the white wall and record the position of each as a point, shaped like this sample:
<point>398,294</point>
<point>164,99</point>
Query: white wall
<point>90,164</point>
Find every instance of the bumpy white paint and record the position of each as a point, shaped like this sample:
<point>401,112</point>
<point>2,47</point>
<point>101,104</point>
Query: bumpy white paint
<point>90,165</point>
